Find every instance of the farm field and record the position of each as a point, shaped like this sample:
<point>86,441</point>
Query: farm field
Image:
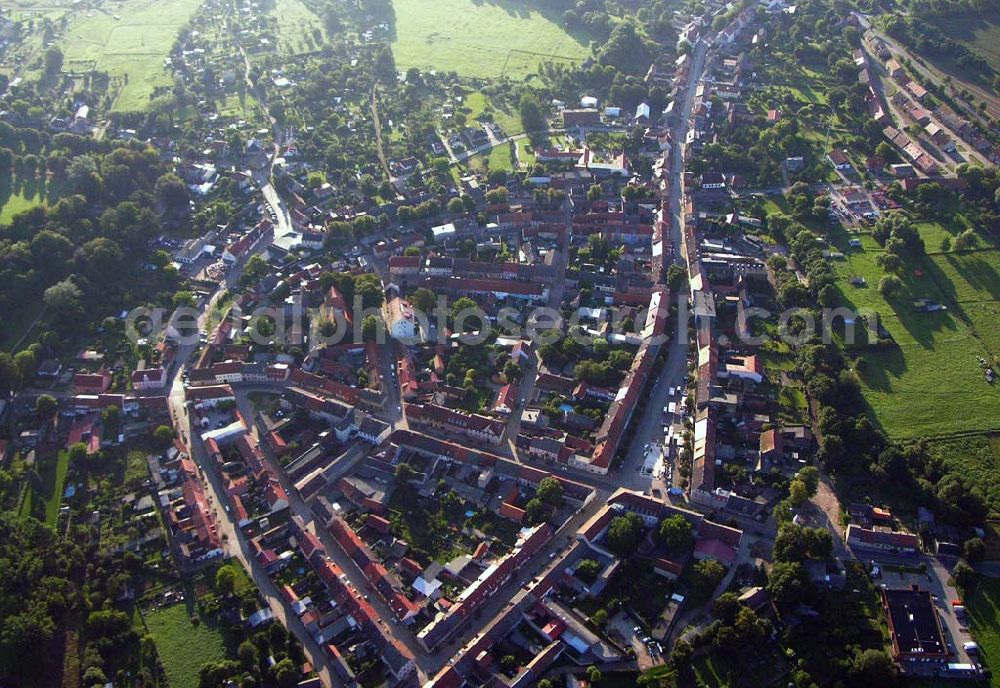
<point>931,384</point>
<point>134,45</point>
<point>184,647</point>
<point>479,40</point>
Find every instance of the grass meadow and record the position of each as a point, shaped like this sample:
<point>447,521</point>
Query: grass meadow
<point>480,39</point>
<point>983,608</point>
<point>184,647</point>
<point>129,43</point>
<point>931,383</point>
<point>295,21</point>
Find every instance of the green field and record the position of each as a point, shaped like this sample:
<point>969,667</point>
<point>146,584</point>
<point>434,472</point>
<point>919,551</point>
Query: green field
<point>978,35</point>
<point>295,22</point>
<point>983,607</point>
<point>977,457</point>
<point>931,384</point>
<point>480,40</point>
<point>132,47</point>
<point>509,120</point>
<point>184,647</point>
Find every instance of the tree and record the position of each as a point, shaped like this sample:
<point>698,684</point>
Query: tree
<point>404,472</point>
<point>787,585</point>
<point>795,543</point>
<point>532,118</point>
<point>46,406</point>
<point>675,533</point>
<point>680,657</point>
<point>25,361</point>
<point>726,606</point>
<point>593,675</point>
<point>873,668</point>
<point>163,436</point>
<point>587,570</point>
<point>455,206</point>
<point>369,288</point>
<point>708,573</point>
<point>64,302</point>
<point>810,476</point>
<point>225,580</point>
<point>423,299</point>
<point>286,675</point>
<point>78,454</point>
<point>798,493</point>
<point>624,534</point>
<point>370,327</point>
<point>172,191</point>
<point>535,510</point>
<point>890,286</point>
<point>497,196</point>
<point>966,240</point>
<point>53,61</point>
<point>676,276</point>
<point>550,491</point>
<point>248,655</point>
<point>103,258</point>
<point>463,307</point>
<point>600,618</point>
<point>111,418</point>
<point>964,577</point>
<point>511,371</point>
<point>974,549</point>
<point>10,376</point>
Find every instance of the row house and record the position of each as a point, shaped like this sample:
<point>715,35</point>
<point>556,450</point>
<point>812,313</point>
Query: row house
<point>443,419</point>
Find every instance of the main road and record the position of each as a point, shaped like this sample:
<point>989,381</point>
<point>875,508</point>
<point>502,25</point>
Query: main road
<point>650,427</point>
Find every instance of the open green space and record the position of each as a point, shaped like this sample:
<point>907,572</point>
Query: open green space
<point>477,102</point>
<point>978,33</point>
<point>129,42</point>
<point>184,646</point>
<point>296,22</point>
<point>480,40</point>
<point>977,457</point>
<point>983,608</point>
<point>54,480</point>
<point>931,382</point>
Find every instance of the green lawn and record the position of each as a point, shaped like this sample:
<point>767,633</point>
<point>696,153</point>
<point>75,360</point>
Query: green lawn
<point>934,232</point>
<point>132,46</point>
<point>984,620</point>
<point>18,203</point>
<point>931,383</point>
<point>480,40</point>
<point>184,647</point>
<point>54,497</point>
<point>497,159</point>
<point>509,120</point>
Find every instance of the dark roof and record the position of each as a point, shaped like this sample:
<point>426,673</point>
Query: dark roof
<point>913,623</point>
